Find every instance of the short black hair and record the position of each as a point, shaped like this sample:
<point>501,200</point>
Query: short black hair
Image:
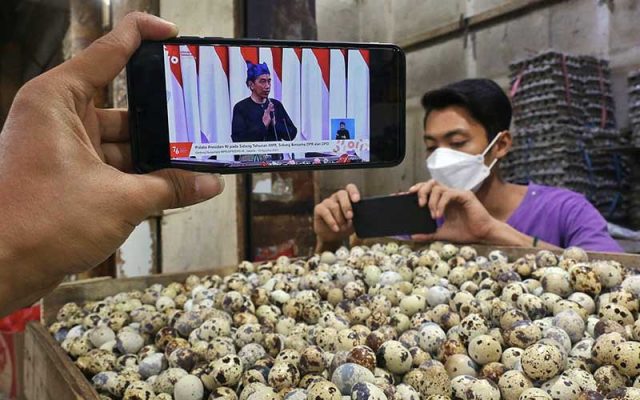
<point>343,123</point>
<point>483,98</point>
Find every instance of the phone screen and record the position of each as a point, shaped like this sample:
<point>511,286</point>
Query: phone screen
<point>250,106</point>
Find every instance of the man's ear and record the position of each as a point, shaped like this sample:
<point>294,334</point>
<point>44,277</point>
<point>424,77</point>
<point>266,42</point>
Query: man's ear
<point>503,145</point>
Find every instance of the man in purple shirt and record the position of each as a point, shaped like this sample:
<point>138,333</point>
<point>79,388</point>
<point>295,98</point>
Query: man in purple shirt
<point>466,135</point>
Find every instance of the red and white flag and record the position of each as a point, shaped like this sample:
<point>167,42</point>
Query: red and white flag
<point>337,84</point>
<point>273,57</point>
<point>315,94</point>
<point>358,93</point>
<point>175,98</point>
<point>238,57</point>
<point>215,110</point>
<point>291,58</point>
<point>189,66</point>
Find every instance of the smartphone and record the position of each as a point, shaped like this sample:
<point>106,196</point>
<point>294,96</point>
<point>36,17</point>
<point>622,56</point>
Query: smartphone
<point>391,216</point>
<point>236,106</point>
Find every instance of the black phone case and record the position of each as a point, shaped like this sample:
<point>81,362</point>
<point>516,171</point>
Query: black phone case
<point>391,215</point>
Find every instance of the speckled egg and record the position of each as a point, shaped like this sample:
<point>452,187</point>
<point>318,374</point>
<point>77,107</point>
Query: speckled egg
<point>562,388</point>
<point>283,375</point>
<point>346,375</point>
<point>431,337</point>
<point>570,322</point>
<point>393,356</point>
<point>535,394</point>
<point>364,356</point>
<point>101,335</point>
<point>512,384</point>
<point>483,389</point>
<point>96,361</point>
<point>522,334</point>
<point>471,326</point>
<point>188,387</point>
<point>608,379</point>
<point>604,347</point>
<point>460,364</point>
<point>167,379</point>
<point>367,391</point>
<point>226,371</point>
<point>152,364</point>
<point>616,312</point>
<point>138,391</point>
<point>460,384</point>
<point>434,379</point>
<point>129,342</point>
<point>583,378</point>
<point>542,361</point>
<point>323,390</point>
<point>484,349</point>
<point>511,357</point>
<point>627,358</point>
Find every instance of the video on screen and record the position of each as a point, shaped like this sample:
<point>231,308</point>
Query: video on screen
<point>267,106</point>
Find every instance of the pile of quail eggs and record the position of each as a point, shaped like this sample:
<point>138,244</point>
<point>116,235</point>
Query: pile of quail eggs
<point>370,323</point>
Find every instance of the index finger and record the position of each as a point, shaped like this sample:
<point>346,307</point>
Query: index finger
<point>345,204</point>
<point>103,60</point>
<point>354,193</point>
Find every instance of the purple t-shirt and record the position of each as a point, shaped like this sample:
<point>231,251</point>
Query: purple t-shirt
<point>562,218</point>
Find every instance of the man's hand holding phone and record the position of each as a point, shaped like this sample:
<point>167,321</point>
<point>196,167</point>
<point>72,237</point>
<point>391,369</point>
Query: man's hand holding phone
<point>333,217</point>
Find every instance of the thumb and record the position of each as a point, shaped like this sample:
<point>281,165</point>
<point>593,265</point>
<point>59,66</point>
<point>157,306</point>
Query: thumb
<point>173,188</point>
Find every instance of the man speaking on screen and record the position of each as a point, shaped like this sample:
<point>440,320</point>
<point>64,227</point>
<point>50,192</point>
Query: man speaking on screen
<point>259,118</point>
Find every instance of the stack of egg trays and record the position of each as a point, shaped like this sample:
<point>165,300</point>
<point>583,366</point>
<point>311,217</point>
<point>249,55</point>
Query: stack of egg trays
<point>634,107</point>
<point>548,106</point>
<point>634,122</point>
<point>563,109</point>
<point>597,95</point>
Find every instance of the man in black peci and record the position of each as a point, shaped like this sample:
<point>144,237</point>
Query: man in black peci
<point>259,118</point>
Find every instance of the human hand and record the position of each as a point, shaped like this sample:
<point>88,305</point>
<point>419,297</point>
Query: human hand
<point>333,217</point>
<point>266,117</point>
<point>67,199</point>
<point>466,220</point>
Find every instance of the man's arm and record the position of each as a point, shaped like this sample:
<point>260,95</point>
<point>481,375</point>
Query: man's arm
<point>586,228</point>
<point>243,130</point>
<point>67,212</point>
<point>289,130</point>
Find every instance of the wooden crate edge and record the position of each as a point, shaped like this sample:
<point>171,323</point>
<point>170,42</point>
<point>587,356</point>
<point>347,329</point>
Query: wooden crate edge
<point>49,373</point>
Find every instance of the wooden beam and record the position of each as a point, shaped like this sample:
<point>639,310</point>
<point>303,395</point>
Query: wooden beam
<point>85,26</point>
<point>509,9</point>
<point>120,8</point>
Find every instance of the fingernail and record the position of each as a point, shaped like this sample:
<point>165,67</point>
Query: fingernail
<point>176,30</point>
<point>349,214</point>
<point>335,228</point>
<point>209,185</point>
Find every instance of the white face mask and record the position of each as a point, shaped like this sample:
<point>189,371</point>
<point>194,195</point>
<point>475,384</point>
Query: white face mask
<point>459,170</point>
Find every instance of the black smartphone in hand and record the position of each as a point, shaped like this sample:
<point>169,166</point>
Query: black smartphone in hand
<point>239,105</point>
<point>391,216</point>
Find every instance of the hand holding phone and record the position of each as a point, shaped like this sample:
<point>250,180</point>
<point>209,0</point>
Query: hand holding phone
<point>333,217</point>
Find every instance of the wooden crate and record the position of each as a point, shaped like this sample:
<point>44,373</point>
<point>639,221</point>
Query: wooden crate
<point>51,375</point>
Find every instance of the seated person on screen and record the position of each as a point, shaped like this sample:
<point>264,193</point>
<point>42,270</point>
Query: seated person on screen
<point>466,134</point>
